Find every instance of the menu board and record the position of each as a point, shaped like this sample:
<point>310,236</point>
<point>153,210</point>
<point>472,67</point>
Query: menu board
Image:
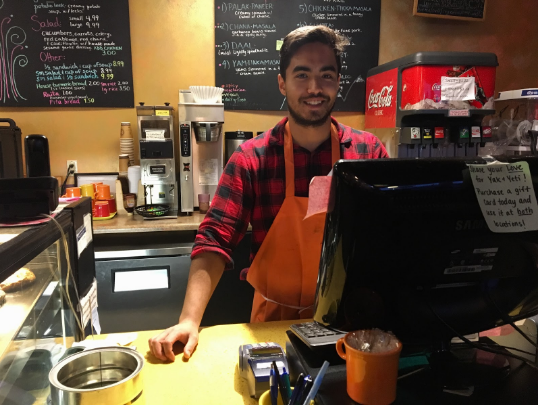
<point>456,9</point>
<point>65,53</point>
<point>248,34</point>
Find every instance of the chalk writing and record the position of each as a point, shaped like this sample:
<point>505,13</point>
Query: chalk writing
<point>506,196</point>
<point>247,31</point>
<point>65,53</point>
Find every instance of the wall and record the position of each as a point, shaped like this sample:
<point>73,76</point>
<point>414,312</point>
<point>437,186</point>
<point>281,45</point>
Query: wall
<point>173,47</point>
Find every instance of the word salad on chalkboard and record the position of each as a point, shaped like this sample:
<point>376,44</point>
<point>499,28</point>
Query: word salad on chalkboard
<point>65,53</point>
<point>248,34</point>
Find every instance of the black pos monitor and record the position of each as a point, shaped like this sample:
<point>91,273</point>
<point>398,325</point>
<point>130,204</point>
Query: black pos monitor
<point>406,249</point>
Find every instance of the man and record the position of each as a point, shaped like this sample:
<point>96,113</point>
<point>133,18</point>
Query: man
<point>266,184</point>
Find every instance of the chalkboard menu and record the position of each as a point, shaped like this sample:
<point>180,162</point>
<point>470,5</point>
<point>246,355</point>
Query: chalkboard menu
<point>65,53</point>
<point>248,35</point>
<point>456,9</point>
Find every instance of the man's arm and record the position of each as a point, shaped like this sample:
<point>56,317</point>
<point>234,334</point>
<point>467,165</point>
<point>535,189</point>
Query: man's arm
<point>205,272</point>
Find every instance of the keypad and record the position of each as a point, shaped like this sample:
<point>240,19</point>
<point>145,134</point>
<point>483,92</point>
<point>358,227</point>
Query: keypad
<point>314,334</point>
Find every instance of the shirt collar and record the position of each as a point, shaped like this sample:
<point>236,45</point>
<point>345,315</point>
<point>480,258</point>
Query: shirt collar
<point>276,136</point>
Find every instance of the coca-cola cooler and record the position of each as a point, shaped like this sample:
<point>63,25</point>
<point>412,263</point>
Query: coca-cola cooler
<point>432,104</point>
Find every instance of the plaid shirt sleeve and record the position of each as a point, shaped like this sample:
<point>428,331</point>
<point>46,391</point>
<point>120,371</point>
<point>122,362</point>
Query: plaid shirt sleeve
<point>228,217</point>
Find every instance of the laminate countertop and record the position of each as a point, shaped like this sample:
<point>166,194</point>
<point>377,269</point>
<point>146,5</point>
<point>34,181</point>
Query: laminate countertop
<point>134,223</point>
<point>211,376</point>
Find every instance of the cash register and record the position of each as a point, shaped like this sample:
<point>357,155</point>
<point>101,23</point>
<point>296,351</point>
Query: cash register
<point>406,249</point>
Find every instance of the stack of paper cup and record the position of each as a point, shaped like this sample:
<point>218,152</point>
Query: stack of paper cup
<point>123,165</point>
<point>133,175</point>
<point>126,142</point>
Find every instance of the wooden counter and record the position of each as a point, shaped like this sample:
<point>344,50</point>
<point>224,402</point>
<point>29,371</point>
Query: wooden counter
<point>134,223</point>
<point>211,376</point>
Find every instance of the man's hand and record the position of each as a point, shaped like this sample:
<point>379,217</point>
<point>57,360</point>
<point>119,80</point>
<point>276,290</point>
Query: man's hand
<point>185,332</point>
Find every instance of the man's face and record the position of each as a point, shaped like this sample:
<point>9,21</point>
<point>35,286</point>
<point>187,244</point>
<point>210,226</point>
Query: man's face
<point>311,85</point>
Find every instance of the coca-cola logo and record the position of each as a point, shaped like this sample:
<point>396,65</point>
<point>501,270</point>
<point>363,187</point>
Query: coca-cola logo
<point>380,99</point>
<point>487,130</point>
<point>436,87</point>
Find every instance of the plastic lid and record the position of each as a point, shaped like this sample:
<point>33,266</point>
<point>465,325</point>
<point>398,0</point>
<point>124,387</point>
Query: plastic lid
<point>126,123</point>
<point>438,58</point>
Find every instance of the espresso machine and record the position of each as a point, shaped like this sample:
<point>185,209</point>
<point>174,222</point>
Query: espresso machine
<point>201,148</point>
<point>157,164</point>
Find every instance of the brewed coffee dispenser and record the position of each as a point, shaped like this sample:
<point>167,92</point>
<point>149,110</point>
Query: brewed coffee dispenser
<point>157,164</point>
<point>201,146</point>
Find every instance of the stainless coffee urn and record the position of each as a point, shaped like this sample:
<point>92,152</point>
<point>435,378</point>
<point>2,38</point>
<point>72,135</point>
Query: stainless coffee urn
<point>157,164</point>
<point>201,148</point>
<point>233,139</point>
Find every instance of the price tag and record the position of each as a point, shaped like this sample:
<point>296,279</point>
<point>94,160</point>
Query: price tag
<point>162,112</point>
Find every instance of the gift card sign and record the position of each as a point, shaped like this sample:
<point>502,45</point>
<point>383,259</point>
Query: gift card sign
<point>506,196</point>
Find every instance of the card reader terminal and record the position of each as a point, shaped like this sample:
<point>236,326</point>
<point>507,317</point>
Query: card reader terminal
<point>255,364</point>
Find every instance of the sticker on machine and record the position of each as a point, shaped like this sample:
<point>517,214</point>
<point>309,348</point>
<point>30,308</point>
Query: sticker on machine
<point>471,260</point>
<point>208,172</point>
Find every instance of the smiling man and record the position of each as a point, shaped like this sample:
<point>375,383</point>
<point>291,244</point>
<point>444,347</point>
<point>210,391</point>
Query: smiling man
<point>266,184</point>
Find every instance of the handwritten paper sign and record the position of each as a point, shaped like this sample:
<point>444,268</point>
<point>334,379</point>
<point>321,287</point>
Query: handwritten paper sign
<point>458,88</point>
<point>506,196</point>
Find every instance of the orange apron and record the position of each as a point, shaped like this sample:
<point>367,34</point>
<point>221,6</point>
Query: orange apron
<point>284,271</point>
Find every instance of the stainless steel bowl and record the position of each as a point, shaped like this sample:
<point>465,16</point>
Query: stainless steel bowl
<point>97,376</point>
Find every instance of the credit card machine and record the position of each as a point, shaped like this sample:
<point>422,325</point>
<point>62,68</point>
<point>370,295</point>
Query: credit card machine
<point>255,364</point>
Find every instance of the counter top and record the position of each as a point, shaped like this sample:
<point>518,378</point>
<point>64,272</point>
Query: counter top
<point>211,376</point>
<point>133,223</point>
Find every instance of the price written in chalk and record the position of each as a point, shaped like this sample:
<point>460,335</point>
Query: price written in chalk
<point>506,196</point>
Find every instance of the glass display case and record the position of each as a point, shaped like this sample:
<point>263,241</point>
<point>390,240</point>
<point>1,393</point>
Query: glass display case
<point>39,275</point>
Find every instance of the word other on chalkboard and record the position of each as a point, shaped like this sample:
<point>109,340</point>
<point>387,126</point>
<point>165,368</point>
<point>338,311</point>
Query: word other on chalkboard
<point>249,33</point>
<point>473,10</point>
<point>61,54</point>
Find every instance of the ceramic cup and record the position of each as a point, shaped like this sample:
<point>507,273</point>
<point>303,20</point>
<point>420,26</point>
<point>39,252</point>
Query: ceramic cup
<point>72,192</point>
<point>112,204</point>
<point>371,377</point>
<point>101,209</point>
<point>103,192</point>
<point>87,190</point>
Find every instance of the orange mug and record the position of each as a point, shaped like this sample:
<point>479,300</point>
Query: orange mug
<point>371,377</point>
<point>101,209</point>
<point>72,192</point>
<point>95,184</point>
<point>103,191</point>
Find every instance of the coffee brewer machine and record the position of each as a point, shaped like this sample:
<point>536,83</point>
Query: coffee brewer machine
<point>201,148</point>
<point>157,166</point>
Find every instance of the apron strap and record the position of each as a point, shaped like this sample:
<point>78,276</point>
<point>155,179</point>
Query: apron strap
<point>289,156</point>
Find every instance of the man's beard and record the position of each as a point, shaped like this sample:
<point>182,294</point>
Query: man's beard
<point>302,121</point>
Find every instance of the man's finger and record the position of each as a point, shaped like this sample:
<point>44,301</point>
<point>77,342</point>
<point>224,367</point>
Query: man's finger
<point>156,348</point>
<point>167,347</point>
<point>190,346</point>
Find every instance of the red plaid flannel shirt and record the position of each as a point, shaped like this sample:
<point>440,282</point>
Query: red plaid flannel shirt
<point>252,187</point>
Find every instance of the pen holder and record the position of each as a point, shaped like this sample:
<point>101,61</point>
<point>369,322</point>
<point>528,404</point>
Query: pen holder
<point>265,398</point>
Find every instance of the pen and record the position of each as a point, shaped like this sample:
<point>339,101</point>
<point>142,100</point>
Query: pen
<point>316,383</point>
<point>285,378</point>
<point>306,389</point>
<point>273,387</point>
<point>297,388</point>
<point>282,389</point>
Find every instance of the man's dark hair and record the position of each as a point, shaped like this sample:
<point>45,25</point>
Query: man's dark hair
<point>306,35</point>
